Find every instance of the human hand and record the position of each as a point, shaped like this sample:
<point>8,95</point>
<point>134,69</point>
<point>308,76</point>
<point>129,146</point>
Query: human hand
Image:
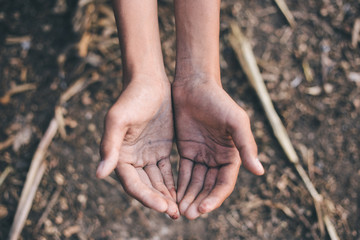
<point>214,137</point>
<point>137,142</point>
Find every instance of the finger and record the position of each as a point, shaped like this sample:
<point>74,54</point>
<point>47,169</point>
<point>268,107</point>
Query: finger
<point>185,170</point>
<point>144,176</point>
<point>245,143</point>
<point>156,179</point>
<point>195,186</point>
<point>225,183</point>
<point>135,184</point>
<point>173,210</point>
<point>110,146</point>
<point>165,169</point>
<point>151,175</point>
<point>192,212</point>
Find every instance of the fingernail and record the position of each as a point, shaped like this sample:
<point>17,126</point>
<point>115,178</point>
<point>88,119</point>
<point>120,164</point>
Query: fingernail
<point>183,207</point>
<point>259,165</point>
<point>173,217</point>
<point>100,169</point>
<point>192,212</point>
<point>203,208</point>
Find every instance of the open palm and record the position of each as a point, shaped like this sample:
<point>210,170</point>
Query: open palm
<point>137,142</point>
<point>213,137</point>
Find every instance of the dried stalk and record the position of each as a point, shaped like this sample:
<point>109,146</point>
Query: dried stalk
<point>307,71</point>
<point>17,40</point>
<point>38,165</point>
<point>25,203</point>
<point>16,89</point>
<point>51,204</point>
<point>7,143</point>
<point>247,60</point>
<point>59,116</point>
<point>355,33</point>
<point>5,173</point>
<point>285,10</point>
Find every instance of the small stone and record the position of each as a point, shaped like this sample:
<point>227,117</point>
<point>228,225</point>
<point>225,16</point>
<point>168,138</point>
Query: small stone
<point>354,76</point>
<point>314,91</point>
<point>68,232</point>
<point>3,211</point>
<point>92,127</point>
<point>63,204</point>
<point>328,88</point>
<point>59,178</point>
<point>82,199</point>
<point>59,219</point>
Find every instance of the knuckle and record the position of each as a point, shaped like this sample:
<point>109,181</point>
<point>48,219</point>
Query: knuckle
<point>159,186</point>
<point>114,117</point>
<point>130,189</point>
<point>208,187</point>
<point>196,180</point>
<point>243,116</point>
<point>162,164</point>
<point>239,119</point>
<point>227,187</point>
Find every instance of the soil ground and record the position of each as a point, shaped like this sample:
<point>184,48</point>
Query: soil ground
<point>321,111</point>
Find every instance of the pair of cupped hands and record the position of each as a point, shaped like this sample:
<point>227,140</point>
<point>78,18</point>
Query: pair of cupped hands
<point>213,137</point>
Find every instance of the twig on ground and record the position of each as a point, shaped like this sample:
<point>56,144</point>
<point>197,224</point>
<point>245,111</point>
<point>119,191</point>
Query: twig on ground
<point>7,143</point>
<point>285,10</point>
<point>59,116</point>
<point>16,40</point>
<point>38,164</point>
<point>51,204</point>
<point>247,60</point>
<point>14,90</point>
<point>355,33</point>
<point>25,202</point>
<point>330,227</point>
<point>308,73</point>
<point>72,90</point>
<point>34,176</point>
<point>83,45</point>
<point>280,206</point>
<point>5,173</point>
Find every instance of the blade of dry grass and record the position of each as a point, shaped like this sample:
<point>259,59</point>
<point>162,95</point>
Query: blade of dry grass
<point>5,173</point>
<point>17,40</point>
<point>285,10</point>
<point>355,33</point>
<point>7,143</point>
<point>16,89</point>
<point>49,207</point>
<point>25,203</point>
<point>38,165</point>
<point>247,60</point>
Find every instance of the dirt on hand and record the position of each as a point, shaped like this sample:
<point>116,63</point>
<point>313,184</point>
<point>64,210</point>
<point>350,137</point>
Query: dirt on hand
<point>312,72</point>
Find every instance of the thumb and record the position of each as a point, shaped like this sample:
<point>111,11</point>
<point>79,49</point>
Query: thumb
<point>111,142</point>
<point>245,143</point>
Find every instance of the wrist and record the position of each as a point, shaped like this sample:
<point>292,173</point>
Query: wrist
<point>191,83</point>
<point>154,78</point>
<point>188,72</point>
<point>146,72</point>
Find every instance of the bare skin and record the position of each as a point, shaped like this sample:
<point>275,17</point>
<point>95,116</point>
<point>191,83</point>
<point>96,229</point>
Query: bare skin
<point>139,127</point>
<point>213,133</point>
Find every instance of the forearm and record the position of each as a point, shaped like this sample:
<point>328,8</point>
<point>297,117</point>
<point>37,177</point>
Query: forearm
<point>138,30</point>
<point>197,33</point>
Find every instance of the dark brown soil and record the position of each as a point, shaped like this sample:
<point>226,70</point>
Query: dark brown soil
<point>321,115</point>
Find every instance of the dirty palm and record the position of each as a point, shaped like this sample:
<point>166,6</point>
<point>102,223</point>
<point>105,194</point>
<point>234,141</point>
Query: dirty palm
<point>213,133</point>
